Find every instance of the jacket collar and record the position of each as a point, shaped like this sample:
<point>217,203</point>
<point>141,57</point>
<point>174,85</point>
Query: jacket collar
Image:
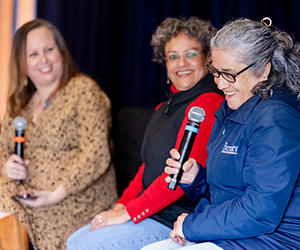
<point>240,115</point>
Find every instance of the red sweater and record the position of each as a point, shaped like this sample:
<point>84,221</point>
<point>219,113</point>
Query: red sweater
<point>157,196</point>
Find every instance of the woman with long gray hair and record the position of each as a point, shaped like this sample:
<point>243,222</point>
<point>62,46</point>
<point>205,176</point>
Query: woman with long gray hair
<point>251,196</point>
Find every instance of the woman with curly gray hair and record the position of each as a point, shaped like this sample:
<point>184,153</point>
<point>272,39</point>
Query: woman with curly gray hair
<point>194,28</point>
<point>147,209</point>
<point>251,196</point>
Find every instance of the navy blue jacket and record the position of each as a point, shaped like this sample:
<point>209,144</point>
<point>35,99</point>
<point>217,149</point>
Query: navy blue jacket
<point>251,195</point>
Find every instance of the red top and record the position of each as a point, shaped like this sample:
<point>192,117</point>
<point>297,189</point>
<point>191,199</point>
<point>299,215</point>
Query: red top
<point>157,196</point>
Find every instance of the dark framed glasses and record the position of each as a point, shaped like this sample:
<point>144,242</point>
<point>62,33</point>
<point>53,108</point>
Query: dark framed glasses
<point>227,76</point>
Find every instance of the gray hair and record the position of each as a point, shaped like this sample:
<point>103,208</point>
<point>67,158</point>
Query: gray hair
<point>200,30</point>
<point>255,43</point>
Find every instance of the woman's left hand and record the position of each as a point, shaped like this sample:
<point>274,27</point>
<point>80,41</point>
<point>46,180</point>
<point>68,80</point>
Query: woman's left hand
<point>176,234</point>
<point>38,199</point>
<point>110,217</point>
<point>44,198</point>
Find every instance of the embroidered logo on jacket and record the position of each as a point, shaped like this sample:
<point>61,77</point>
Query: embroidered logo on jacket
<point>229,149</point>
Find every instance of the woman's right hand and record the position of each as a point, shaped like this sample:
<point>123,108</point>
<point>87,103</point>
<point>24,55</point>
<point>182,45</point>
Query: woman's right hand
<point>15,168</point>
<point>117,215</point>
<point>190,168</point>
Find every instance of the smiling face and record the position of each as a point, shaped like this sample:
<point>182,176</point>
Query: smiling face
<point>235,93</point>
<point>185,61</point>
<point>43,59</point>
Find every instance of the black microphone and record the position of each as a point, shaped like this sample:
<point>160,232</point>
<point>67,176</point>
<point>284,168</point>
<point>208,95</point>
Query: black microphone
<point>20,124</point>
<point>196,116</point>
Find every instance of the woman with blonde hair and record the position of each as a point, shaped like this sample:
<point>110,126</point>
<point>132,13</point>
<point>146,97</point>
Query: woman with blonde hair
<point>67,171</point>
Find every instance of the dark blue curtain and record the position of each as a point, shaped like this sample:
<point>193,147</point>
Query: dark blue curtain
<point>110,39</point>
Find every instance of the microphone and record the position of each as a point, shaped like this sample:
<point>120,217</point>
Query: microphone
<point>196,116</point>
<point>20,124</point>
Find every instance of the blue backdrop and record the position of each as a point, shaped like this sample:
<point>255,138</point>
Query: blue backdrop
<point>110,39</point>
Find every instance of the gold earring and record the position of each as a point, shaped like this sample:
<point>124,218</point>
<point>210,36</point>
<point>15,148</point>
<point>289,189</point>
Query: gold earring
<point>266,21</point>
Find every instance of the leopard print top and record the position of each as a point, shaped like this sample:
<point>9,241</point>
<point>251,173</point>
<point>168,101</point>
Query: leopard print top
<point>69,145</point>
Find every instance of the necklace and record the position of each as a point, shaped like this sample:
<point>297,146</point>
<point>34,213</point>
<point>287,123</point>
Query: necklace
<point>47,102</point>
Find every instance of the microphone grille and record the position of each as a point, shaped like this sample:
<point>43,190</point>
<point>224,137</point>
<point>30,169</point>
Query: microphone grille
<point>20,123</point>
<point>196,114</point>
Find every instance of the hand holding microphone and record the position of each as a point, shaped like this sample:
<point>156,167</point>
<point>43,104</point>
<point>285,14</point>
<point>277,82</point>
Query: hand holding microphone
<point>196,116</point>
<point>15,165</point>
<point>190,168</point>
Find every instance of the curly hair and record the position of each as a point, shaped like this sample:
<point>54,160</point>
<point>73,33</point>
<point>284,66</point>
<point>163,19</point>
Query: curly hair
<point>255,43</point>
<point>20,93</point>
<point>202,31</point>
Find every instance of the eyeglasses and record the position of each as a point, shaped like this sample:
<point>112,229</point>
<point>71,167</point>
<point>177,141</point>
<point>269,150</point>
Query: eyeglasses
<point>193,54</point>
<point>227,76</point>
